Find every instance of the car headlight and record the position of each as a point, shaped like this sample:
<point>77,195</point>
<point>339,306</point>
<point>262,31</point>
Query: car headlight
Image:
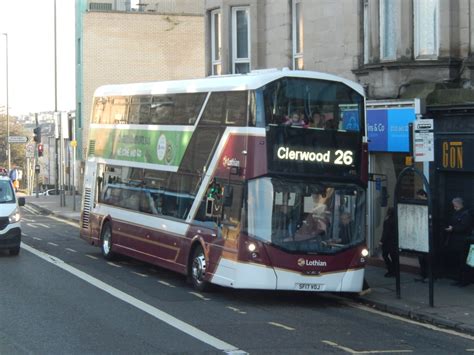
<point>15,216</point>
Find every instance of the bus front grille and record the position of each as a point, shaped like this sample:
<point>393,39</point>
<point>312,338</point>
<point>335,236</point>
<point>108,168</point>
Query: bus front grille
<point>86,208</point>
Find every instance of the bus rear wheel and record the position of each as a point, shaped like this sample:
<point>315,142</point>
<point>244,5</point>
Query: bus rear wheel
<point>106,239</point>
<point>198,270</point>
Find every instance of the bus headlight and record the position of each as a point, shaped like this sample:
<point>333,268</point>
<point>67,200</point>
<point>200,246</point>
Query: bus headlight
<point>251,247</point>
<point>364,252</point>
<point>14,217</point>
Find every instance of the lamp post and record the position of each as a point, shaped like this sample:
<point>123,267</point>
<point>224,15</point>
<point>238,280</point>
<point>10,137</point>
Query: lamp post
<point>8,117</point>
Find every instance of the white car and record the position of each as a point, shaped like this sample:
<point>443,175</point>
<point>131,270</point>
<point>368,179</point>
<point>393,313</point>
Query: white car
<point>10,225</point>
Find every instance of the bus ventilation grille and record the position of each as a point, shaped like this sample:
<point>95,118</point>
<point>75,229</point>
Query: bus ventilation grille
<point>91,147</point>
<point>86,209</point>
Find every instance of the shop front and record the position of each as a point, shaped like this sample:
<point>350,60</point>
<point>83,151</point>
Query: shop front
<point>389,146</point>
<point>452,172</point>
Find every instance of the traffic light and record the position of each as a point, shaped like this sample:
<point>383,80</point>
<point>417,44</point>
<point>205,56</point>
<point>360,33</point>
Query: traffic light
<point>37,134</point>
<point>40,150</point>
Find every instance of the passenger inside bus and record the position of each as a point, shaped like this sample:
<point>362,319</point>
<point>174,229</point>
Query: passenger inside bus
<point>295,120</point>
<point>317,120</point>
<point>317,223</point>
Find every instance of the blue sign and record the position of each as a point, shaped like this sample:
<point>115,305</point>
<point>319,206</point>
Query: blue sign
<point>388,129</point>
<point>350,120</point>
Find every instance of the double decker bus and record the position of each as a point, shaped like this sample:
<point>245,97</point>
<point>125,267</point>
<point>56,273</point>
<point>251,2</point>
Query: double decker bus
<point>253,181</point>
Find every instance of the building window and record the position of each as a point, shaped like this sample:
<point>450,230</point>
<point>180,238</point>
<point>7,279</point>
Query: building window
<point>426,28</point>
<point>389,15</point>
<point>240,40</point>
<point>216,43</point>
<point>366,32</point>
<point>297,30</point>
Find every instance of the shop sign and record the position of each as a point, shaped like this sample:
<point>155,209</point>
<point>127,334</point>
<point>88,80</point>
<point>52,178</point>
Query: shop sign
<point>388,129</point>
<point>455,154</point>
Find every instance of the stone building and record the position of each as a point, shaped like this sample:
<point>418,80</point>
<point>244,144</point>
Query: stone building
<point>398,50</point>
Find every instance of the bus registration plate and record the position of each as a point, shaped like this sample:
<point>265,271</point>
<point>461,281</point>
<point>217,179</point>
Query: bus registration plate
<point>308,286</point>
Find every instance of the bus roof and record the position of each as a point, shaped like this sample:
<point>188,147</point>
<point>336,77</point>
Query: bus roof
<point>235,82</point>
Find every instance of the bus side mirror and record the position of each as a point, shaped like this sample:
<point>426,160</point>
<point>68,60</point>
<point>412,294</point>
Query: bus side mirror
<point>21,201</point>
<point>209,207</point>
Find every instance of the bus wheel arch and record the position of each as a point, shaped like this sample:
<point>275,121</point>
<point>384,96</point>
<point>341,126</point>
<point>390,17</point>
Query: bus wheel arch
<point>106,240</point>
<point>197,265</point>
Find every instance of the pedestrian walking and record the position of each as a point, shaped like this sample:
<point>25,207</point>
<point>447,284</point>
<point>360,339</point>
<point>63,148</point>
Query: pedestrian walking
<point>457,233</point>
<point>388,242</point>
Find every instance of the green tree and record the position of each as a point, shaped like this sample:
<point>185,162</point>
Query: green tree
<point>18,150</point>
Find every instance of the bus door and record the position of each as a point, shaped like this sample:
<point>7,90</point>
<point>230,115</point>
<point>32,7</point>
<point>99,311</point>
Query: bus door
<point>224,209</point>
<point>93,185</point>
<point>88,199</point>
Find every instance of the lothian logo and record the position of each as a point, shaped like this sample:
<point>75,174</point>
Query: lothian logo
<point>304,262</point>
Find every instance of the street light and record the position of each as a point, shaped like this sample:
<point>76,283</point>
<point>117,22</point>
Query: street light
<point>8,117</point>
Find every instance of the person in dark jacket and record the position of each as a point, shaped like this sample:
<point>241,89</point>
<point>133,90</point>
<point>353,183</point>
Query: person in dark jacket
<point>459,228</point>
<point>388,242</point>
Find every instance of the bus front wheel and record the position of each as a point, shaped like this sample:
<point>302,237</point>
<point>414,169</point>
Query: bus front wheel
<point>106,238</point>
<point>198,270</point>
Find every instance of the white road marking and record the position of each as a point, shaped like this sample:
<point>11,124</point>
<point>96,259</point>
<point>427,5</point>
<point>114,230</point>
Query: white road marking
<point>92,256</point>
<point>281,325</point>
<point>36,238</point>
<point>200,296</point>
<point>31,225</point>
<point>71,250</point>
<point>73,224</point>
<point>139,274</point>
<point>31,210</point>
<point>425,325</point>
<point>166,284</point>
<point>42,225</point>
<point>236,310</point>
<point>113,264</point>
<point>53,244</point>
<point>153,311</point>
<point>24,234</point>
<point>352,351</point>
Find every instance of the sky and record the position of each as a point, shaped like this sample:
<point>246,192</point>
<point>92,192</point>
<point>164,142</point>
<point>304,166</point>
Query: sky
<point>30,28</point>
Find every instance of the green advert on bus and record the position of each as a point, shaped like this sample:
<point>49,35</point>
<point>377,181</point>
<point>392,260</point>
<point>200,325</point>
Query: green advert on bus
<point>158,147</point>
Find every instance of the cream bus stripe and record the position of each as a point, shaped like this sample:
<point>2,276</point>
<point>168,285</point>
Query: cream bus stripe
<point>147,221</point>
<point>141,239</point>
<point>134,164</point>
<point>153,311</point>
<point>139,127</point>
<point>154,256</point>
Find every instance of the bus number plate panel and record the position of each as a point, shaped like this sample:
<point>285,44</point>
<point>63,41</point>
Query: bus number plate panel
<point>300,286</point>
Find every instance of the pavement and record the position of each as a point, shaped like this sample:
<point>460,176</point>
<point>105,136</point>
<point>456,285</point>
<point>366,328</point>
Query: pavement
<point>453,307</point>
